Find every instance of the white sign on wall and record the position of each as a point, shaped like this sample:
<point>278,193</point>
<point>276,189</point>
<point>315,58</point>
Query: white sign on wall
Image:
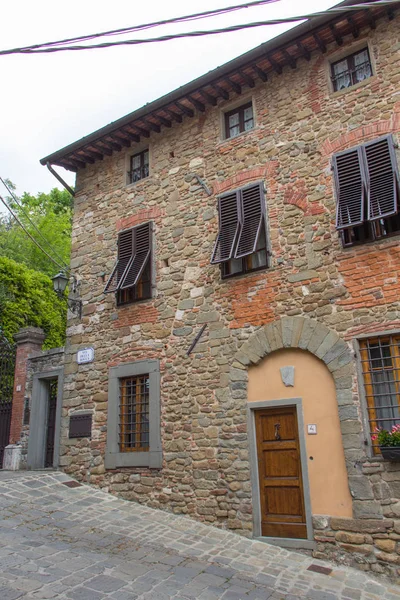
<point>311,429</point>
<point>86,355</point>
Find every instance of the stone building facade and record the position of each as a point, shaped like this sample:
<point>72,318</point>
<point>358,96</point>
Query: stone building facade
<point>289,335</point>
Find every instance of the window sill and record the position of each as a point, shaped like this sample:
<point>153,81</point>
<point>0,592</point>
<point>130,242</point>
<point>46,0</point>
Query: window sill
<point>135,184</point>
<point>151,459</point>
<point>247,274</point>
<point>395,237</point>
<point>226,141</point>
<point>356,86</point>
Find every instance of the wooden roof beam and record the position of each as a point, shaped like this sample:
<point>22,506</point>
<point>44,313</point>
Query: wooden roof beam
<point>196,103</point>
<point>336,34</point>
<point>276,66</point>
<point>249,80</point>
<point>104,147</point>
<point>142,132</point>
<point>76,163</point>
<point>188,111</point>
<point>304,52</point>
<point>121,140</point>
<point>354,28</point>
<point>390,13</point>
<point>113,145</point>
<point>262,74</point>
<point>220,91</point>
<point>235,86</point>
<point>163,121</point>
<point>173,115</point>
<point>209,98</point>
<point>152,125</point>
<point>290,59</point>
<point>65,165</point>
<point>93,154</point>
<point>320,43</point>
<point>87,158</point>
<point>131,136</point>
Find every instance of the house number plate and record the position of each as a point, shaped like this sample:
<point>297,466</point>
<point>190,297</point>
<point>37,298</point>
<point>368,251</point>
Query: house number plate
<point>86,355</point>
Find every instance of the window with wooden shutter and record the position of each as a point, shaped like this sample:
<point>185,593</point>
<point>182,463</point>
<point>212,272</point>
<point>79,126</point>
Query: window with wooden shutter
<point>229,215</point>
<point>131,276</point>
<point>350,188</point>
<point>383,178</point>
<point>241,244</point>
<point>367,192</point>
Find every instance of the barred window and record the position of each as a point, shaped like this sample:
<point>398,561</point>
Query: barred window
<point>351,70</point>
<point>134,414</point>
<point>139,167</point>
<point>380,360</point>
<point>239,120</point>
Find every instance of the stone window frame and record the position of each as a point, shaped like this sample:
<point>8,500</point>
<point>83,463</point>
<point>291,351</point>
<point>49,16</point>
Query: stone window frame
<point>361,386</point>
<point>153,457</point>
<point>137,149</point>
<point>231,106</point>
<point>343,53</point>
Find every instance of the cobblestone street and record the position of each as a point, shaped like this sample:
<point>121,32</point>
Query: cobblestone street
<point>83,544</point>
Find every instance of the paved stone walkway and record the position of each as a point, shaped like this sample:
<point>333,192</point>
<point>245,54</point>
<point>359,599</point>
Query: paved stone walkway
<point>83,544</point>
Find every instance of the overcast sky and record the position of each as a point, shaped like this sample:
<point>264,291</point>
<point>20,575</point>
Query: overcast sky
<point>50,100</point>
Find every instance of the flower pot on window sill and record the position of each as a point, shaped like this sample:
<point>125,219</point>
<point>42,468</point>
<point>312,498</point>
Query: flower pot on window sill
<point>391,453</point>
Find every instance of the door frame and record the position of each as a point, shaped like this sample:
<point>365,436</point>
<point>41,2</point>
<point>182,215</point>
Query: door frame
<point>255,484</point>
<point>38,419</point>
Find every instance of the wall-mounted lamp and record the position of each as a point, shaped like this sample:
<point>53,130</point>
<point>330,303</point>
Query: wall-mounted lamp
<point>59,284</point>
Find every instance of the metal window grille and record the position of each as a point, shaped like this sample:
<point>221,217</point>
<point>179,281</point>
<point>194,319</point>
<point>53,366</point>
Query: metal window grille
<point>380,360</point>
<point>139,166</point>
<point>134,414</point>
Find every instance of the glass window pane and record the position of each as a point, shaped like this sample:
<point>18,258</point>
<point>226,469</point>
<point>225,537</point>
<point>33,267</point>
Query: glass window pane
<point>362,66</point>
<point>248,113</point>
<point>248,125</point>
<point>233,120</point>
<point>342,78</point>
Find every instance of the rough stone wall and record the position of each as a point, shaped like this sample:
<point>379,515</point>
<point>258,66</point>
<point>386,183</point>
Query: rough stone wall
<point>299,125</point>
<point>38,362</point>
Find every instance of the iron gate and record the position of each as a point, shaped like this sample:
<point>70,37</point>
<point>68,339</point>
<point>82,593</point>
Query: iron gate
<point>7,366</point>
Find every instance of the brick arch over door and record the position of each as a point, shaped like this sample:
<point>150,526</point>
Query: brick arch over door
<point>308,334</point>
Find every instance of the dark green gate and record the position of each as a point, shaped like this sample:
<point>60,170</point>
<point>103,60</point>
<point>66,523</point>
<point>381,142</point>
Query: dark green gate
<point>7,367</point>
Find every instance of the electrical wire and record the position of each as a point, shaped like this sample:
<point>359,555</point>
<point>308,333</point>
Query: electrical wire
<point>283,20</point>
<point>14,197</point>
<point>172,20</point>
<point>31,236</point>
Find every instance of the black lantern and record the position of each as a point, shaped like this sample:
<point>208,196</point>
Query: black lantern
<point>59,285</point>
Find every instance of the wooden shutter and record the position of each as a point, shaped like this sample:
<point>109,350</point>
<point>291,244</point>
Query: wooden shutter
<point>253,214</point>
<point>125,251</point>
<point>350,188</point>
<point>383,178</point>
<point>140,257</point>
<point>229,216</point>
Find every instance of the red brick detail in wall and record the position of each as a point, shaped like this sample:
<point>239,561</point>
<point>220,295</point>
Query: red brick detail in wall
<point>250,303</point>
<point>241,179</point>
<point>136,314</point>
<point>361,134</point>
<point>297,196</point>
<point>372,329</point>
<point>368,284</point>
<point>23,351</point>
<point>142,216</point>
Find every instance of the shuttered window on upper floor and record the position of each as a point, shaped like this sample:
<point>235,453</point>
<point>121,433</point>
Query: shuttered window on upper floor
<point>130,278</point>
<point>367,191</point>
<point>241,244</point>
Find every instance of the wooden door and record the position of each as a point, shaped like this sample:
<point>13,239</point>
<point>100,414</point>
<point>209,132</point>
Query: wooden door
<point>279,468</point>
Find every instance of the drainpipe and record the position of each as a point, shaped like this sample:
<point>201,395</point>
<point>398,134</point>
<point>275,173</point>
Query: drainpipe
<point>60,179</point>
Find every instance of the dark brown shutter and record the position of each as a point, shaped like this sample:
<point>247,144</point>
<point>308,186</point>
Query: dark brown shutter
<point>125,250</point>
<point>228,211</point>
<point>383,178</point>
<point>350,188</point>
<point>141,255</point>
<point>253,213</point>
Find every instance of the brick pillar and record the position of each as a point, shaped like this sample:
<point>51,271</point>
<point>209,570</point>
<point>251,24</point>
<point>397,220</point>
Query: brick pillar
<point>29,340</point>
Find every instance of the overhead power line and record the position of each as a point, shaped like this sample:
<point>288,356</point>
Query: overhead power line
<point>51,47</point>
<point>172,20</point>
<point>63,268</point>
<point>18,203</point>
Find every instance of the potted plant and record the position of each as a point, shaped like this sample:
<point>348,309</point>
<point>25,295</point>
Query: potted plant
<point>389,442</point>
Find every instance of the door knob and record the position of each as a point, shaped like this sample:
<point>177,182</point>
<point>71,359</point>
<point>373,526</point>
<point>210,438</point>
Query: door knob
<point>277,428</point>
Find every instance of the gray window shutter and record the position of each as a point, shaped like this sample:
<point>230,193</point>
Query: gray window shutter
<point>125,250</point>
<point>141,254</point>
<point>350,187</point>
<point>229,222</point>
<point>253,219</point>
<point>383,178</point>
